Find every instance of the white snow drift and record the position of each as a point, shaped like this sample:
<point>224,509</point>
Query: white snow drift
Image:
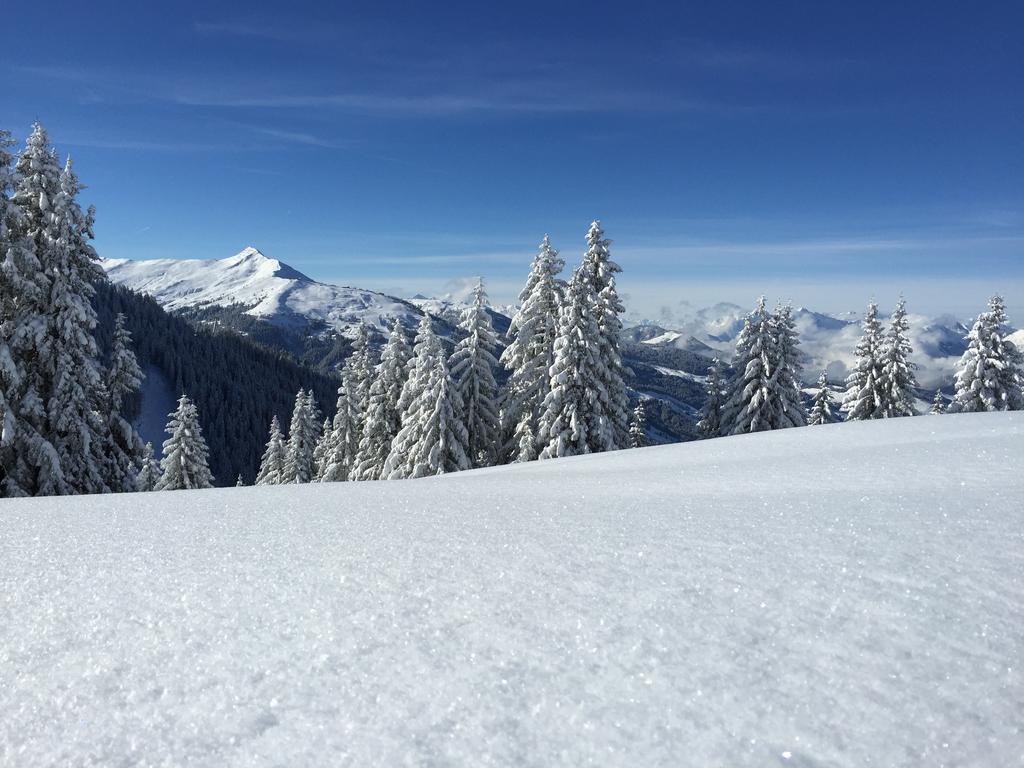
<point>843,595</point>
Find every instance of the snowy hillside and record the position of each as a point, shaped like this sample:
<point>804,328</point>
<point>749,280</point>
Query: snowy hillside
<point>267,288</point>
<point>845,595</point>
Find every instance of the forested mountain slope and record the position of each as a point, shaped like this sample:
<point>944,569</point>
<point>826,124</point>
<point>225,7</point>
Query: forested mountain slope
<point>237,385</point>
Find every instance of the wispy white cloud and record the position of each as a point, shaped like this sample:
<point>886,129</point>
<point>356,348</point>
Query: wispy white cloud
<point>401,96</point>
<point>441,104</point>
<point>289,31</point>
<point>133,145</point>
<point>296,137</point>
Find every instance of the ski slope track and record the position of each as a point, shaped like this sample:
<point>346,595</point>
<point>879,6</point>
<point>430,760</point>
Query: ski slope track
<point>847,595</point>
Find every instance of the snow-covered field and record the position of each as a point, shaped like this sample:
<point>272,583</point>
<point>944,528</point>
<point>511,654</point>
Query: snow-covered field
<point>849,595</point>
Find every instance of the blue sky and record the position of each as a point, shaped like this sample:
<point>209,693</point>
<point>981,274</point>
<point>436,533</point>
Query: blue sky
<point>819,152</point>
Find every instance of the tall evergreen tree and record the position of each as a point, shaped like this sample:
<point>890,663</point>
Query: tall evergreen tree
<point>79,433</point>
<point>303,433</point>
<point>184,465</point>
<point>271,471</point>
<point>898,381</point>
<point>433,438</point>
<point>563,429</point>
<point>360,367</point>
<point>865,387</point>
<point>608,416</point>
<point>638,426</point>
<point>123,451</point>
<point>323,448</point>
<point>24,452</point>
<point>342,443</point>
<point>710,422</point>
<point>990,374</point>
<point>383,419</point>
<point>28,273</point>
<point>752,404</point>
<point>149,470</point>
<point>472,370</point>
<point>527,449</point>
<point>821,411</point>
<point>530,354</point>
<point>938,404</point>
<point>786,371</point>
<point>69,375</point>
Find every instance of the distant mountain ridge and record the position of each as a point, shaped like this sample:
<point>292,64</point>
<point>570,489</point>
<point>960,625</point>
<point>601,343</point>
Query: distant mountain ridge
<point>269,290</point>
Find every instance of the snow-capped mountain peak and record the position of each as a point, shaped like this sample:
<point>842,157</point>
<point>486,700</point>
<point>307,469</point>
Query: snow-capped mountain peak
<point>266,287</point>
<point>252,259</point>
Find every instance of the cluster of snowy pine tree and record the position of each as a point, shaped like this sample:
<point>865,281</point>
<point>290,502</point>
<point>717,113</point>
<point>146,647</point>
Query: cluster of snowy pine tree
<point>63,431</point>
<point>990,376</point>
<point>425,412</point>
<point>764,391</point>
<point>882,383</point>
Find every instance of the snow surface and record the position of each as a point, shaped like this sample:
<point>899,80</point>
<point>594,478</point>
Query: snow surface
<point>270,289</point>
<point>846,595</point>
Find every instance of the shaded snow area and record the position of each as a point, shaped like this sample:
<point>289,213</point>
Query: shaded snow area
<point>847,595</point>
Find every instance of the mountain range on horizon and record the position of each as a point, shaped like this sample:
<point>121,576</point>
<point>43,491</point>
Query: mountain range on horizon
<point>272,292</point>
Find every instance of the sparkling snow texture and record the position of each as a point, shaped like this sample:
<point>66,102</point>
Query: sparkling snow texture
<point>844,595</point>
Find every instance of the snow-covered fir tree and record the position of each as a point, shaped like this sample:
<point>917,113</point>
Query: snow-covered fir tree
<point>710,422</point>
<point>303,434</point>
<point>527,449</point>
<point>27,459</point>
<point>149,470</point>
<point>323,447</point>
<point>990,375</point>
<point>822,411</point>
<point>638,426</point>
<point>786,371</point>
<point>360,367</point>
<point>530,354</point>
<point>433,439</point>
<point>271,471</point>
<point>764,392</point>
<point>123,451</point>
<point>563,428</point>
<point>898,381</point>
<point>472,369</point>
<point>938,404</point>
<point>342,443</point>
<point>383,418</point>
<point>70,382</point>
<point>239,483</point>
<point>865,388</point>
<point>184,465</point>
<point>608,416</point>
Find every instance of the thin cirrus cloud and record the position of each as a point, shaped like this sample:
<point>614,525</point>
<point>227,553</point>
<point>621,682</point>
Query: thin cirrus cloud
<point>296,137</point>
<point>285,33</point>
<point>484,99</point>
<point>403,97</point>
